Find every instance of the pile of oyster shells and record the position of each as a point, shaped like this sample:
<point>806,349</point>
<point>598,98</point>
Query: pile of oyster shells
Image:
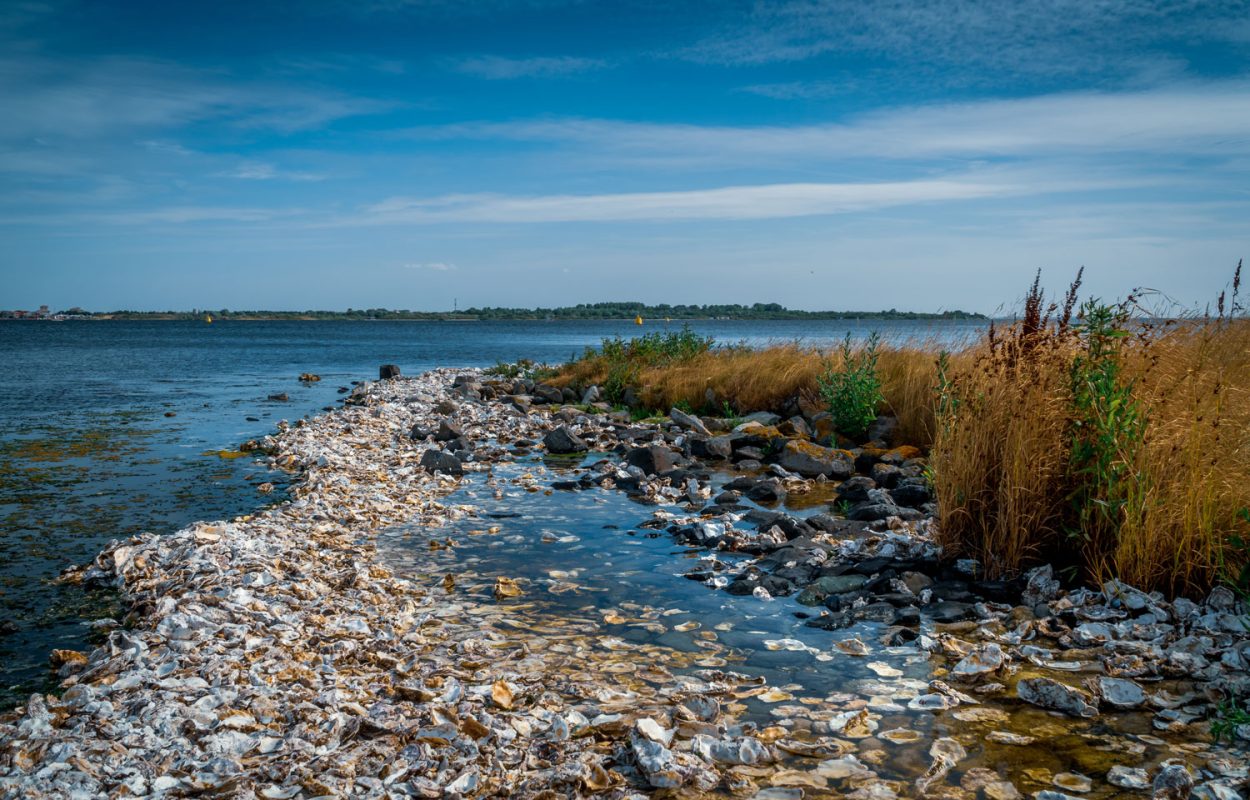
<point>274,656</point>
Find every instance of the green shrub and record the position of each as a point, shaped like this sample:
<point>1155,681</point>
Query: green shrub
<point>853,391</point>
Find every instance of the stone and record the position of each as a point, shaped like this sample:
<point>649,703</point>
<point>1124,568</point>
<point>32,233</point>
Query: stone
<point>438,461</point>
<point>911,492</point>
<point>769,490</point>
<point>983,660</point>
<point>280,397</point>
<point>1172,783</point>
<point>811,460</point>
<point>388,371</point>
<point>652,459</point>
<point>855,490</point>
<point>1119,692</point>
<point>447,432</point>
<point>883,429</point>
<point>1040,586</point>
<point>714,447</point>
<point>948,611</point>
<point>1128,777</point>
<point>562,441</point>
<point>689,422</point>
<point>1056,696</point>
<point>591,395</point>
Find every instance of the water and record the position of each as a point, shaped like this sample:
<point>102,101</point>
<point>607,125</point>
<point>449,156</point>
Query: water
<point>111,428</point>
<point>584,557</point>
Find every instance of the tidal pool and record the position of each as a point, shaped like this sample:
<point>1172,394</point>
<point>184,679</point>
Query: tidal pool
<point>584,563</point>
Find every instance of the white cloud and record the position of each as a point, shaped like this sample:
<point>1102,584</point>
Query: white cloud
<point>501,68</point>
<point>1203,118</point>
<point>433,266</point>
<point>726,203</point>
<point>260,171</point>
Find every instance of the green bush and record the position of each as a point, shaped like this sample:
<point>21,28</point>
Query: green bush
<point>853,391</point>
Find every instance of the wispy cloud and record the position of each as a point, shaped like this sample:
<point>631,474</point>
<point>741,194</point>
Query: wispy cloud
<point>433,266</point>
<point>771,201</point>
<point>995,40</point>
<point>85,98</point>
<point>501,68</point>
<point>260,171</point>
<point>1206,118</point>
<point>800,90</point>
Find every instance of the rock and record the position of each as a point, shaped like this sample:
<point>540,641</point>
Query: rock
<point>1128,777</point>
<point>548,394</point>
<point>388,371</point>
<point>1073,782</point>
<point>811,460</point>
<point>656,762</point>
<point>714,447</point>
<point>1118,692</point>
<point>689,422</point>
<point>1222,599</point>
<point>948,611</point>
<point>855,490</point>
<point>983,660</point>
<point>1052,694</point>
<point>591,395</point>
<point>762,417</point>
<point>1172,783</point>
<point>882,430</point>
<point>911,492</point>
<point>1040,586</point>
<point>887,475</point>
<point>561,441</point>
<point>447,432</point>
<point>438,461</point>
<point>652,459</point>
<point>769,490</point>
<point>279,397</point>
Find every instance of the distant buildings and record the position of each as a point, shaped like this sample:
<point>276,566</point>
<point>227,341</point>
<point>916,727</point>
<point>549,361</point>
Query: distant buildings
<point>43,313</point>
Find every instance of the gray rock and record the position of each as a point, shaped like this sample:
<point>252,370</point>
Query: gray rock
<point>983,660</point>
<point>1040,586</point>
<point>1118,692</point>
<point>1172,783</point>
<point>762,417</point>
<point>562,440</point>
<point>811,460</point>
<point>388,371</point>
<point>652,459</point>
<point>591,395</point>
<point>689,422</point>
<point>855,490</point>
<point>1052,694</point>
<point>714,447</point>
<point>438,461</point>
<point>1222,599</point>
<point>447,431</point>
<point>1128,777</point>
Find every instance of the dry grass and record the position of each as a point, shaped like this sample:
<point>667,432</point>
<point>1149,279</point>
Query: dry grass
<point>1000,430</point>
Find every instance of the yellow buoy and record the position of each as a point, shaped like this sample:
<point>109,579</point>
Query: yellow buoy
<point>208,318</point>
<point>638,320</point>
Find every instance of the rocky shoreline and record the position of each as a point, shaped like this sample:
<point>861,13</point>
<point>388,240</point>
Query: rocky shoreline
<point>275,656</point>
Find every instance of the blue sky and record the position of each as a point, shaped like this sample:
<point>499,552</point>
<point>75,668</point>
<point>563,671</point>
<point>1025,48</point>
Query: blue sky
<point>816,153</point>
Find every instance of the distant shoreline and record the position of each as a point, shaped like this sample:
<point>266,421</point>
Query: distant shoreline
<point>501,315</point>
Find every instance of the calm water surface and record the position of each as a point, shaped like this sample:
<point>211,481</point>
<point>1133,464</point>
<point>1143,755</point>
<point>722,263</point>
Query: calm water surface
<point>112,428</point>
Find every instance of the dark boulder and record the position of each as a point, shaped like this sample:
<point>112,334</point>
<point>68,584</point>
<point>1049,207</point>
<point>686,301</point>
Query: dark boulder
<point>769,490</point>
<point>438,461</point>
<point>711,447</point>
<point>447,432</point>
<point>388,371</point>
<point>652,459</point>
<point>911,492</point>
<point>561,441</point>
<point>855,490</point>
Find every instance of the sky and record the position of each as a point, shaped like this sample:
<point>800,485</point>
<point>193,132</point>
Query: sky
<point>431,154</point>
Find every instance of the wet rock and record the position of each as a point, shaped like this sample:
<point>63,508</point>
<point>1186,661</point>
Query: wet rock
<point>1040,586</point>
<point>438,461</point>
<point>1052,694</point>
<point>652,459</point>
<point>811,460</point>
<point>1119,693</point>
<point>447,432</point>
<point>715,447</point>
<point>983,660</point>
<point>562,441</point>
<point>279,397</point>
<point>388,371</point>
<point>948,611</point>
<point>769,490</point>
<point>855,490</point>
<point>1173,782</point>
<point>1128,777</point>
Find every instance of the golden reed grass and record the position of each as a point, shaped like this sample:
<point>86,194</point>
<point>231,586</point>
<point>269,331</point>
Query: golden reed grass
<point>999,432</point>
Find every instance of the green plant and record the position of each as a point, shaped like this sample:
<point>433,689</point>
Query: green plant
<point>1108,426</point>
<point>853,391</point>
<point>1229,716</point>
<point>842,508</point>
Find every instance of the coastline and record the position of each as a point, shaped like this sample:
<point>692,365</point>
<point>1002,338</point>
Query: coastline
<point>276,656</point>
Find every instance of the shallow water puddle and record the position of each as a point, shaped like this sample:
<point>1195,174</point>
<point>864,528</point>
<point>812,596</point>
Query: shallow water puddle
<point>584,569</point>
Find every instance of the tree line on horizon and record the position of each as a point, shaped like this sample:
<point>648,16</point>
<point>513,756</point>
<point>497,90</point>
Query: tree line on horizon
<point>581,311</point>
